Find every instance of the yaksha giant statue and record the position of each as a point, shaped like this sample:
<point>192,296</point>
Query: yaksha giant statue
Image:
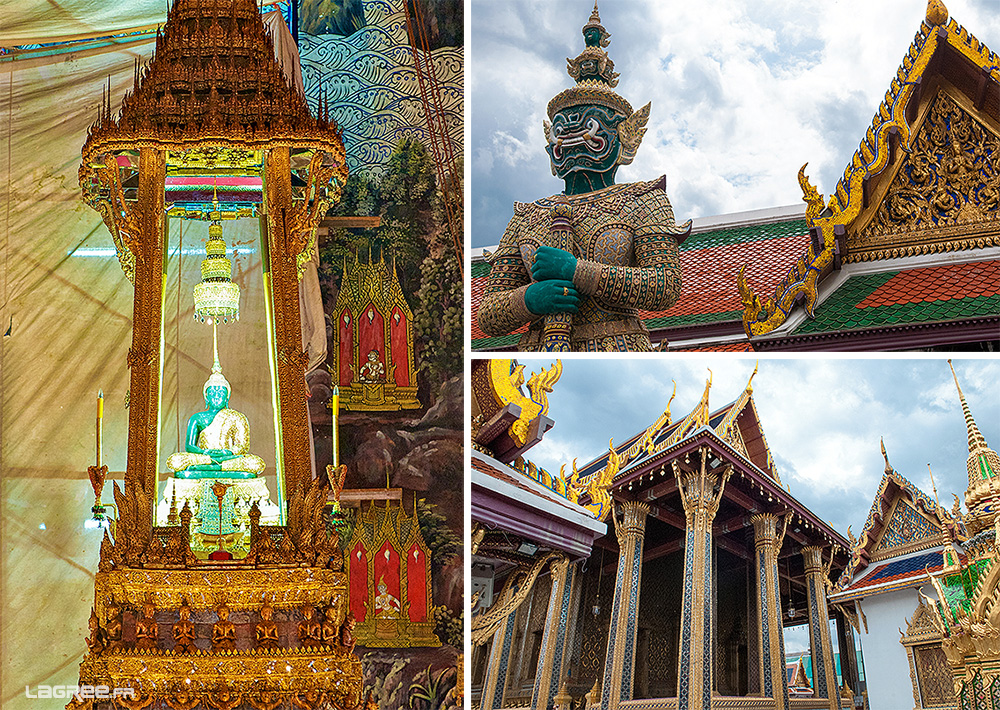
<point>578,266</point>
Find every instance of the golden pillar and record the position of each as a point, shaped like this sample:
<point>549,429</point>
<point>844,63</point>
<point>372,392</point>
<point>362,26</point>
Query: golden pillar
<point>495,684</point>
<point>555,641</point>
<point>286,238</point>
<point>148,218</point>
<point>824,673</point>
<point>695,664</point>
<point>619,662</point>
<point>771,640</point>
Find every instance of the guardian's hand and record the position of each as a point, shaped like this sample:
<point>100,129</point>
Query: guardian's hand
<point>555,296</point>
<point>551,263</point>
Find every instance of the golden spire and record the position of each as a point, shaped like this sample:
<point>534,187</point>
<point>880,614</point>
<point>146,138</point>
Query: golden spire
<point>949,554</point>
<point>933,486</point>
<point>937,13</point>
<point>595,22</point>
<point>983,462</point>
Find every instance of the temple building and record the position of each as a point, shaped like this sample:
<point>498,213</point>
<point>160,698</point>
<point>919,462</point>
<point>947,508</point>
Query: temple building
<point>901,542</point>
<point>659,575</point>
<point>373,361</point>
<point>922,578</point>
<point>904,254</point>
<point>389,576</point>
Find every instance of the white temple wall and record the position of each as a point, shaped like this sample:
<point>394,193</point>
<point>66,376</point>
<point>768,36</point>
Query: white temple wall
<point>887,669</point>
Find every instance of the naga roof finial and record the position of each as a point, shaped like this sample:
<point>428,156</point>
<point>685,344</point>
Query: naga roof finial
<point>888,466</point>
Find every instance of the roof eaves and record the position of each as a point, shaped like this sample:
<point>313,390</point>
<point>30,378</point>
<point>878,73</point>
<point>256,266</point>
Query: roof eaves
<point>800,285</point>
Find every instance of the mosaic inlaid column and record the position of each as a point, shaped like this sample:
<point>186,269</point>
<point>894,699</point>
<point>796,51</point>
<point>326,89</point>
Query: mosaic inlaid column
<point>555,638</point>
<point>848,655</point>
<point>619,662</point>
<point>824,674</point>
<point>771,640</point>
<point>495,683</point>
<point>696,663</point>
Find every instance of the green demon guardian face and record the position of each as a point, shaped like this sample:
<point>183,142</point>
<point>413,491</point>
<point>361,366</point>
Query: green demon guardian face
<point>584,138</point>
<point>587,143</point>
<point>593,130</point>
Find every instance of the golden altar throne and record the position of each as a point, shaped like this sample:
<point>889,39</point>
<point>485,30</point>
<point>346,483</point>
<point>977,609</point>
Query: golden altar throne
<point>213,124</point>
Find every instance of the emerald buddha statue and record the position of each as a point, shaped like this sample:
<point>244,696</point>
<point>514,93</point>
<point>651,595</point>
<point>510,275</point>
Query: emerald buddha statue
<point>217,448</point>
<point>218,438</point>
<point>577,267</point>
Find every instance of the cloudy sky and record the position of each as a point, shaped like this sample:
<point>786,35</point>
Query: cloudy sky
<point>743,92</point>
<point>822,419</point>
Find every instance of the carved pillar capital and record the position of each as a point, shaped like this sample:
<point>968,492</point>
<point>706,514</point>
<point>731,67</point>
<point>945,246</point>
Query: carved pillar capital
<point>812,557</point>
<point>765,529</point>
<point>559,570</point>
<point>697,489</point>
<point>634,519</point>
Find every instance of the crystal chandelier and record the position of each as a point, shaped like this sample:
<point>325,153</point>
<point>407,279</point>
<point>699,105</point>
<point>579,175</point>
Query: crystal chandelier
<point>216,298</point>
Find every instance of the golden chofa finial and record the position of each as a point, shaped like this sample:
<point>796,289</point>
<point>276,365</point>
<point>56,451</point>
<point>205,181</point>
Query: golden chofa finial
<point>888,466</point>
<point>937,13</point>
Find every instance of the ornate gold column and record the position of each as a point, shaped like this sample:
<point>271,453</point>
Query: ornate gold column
<point>771,643</point>
<point>824,674</point>
<point>697,645</point>
<point>552,656</point>
<point>619,662</point>
<point>148,217</point>
<point>284,243</point>
<point>495,683</point>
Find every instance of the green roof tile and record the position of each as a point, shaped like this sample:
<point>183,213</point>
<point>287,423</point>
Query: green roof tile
<point>480,269</point>
<point>743,235</point>
<point>501,341</point>
<point>693,319</point>
<point>840,311</point>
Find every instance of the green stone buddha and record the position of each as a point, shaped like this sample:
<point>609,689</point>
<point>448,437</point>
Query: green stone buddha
<point>218,438</point>
<point>577,267</point>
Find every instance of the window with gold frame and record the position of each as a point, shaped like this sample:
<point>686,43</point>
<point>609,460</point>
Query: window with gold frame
<point>934,686</point>
<point>929,674</point>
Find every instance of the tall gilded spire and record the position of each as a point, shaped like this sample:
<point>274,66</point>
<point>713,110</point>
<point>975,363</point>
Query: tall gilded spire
<point>983,462</point>
<point>983,466</point>
<point>602,38</point>
<point>593,66</point>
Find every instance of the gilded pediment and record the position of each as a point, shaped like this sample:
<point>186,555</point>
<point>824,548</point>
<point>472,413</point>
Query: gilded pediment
<point>906,526</point>
<point>945,194</point>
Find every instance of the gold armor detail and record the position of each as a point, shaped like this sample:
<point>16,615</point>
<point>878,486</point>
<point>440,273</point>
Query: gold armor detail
<point>626,243</point>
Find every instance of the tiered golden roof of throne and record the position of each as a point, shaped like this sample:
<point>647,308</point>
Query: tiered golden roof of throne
<point>213,124</point>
